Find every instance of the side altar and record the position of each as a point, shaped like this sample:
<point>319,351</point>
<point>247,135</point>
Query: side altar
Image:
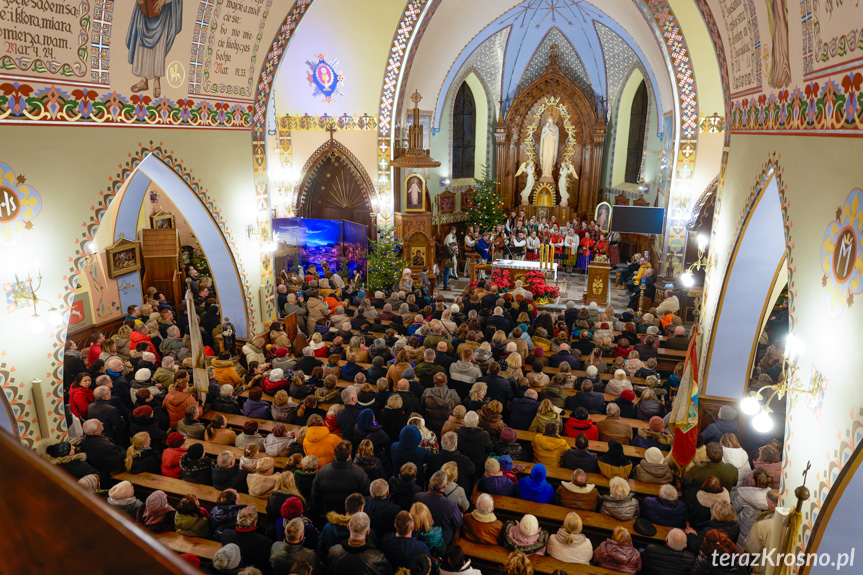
<point>518,268</point>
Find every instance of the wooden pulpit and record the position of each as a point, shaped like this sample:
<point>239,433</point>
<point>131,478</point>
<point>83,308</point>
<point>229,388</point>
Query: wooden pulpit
<point>597,283</point>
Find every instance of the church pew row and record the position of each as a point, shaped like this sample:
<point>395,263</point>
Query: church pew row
<point>214,449</point>
<point>552,516</point>
<point>202,548</point>
<point>595,446</point>
<point>601,481</point>
<point>489,558</point>
<point>177,489</point>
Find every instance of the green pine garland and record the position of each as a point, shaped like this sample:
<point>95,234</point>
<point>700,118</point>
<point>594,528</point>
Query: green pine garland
<point>488,210</point>
<point>384,261</point>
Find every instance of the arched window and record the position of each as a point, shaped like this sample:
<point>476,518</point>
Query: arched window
<point>637,127</point>
<point>463,133</point>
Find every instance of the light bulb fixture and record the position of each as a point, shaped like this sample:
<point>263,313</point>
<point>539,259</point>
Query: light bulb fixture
<point>762,422</point>
<point>27,284</point>
<point>687,278</point>
<point>642,186</point>
<point>789,382</point>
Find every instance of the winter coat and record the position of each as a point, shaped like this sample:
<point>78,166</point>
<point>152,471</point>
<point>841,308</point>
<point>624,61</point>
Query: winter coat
<point>580,459</point>
<point>253,353</point>
<point>260,485</point>
<point>403,492</point>
<point>366,428</point>
<point>647,408</point>
<point>321,443</point>
<point>555,394</point>
<point>334,482</point>
<point>223,517</point>
<point>749,502</point>
<point>521,412</point>
<point>254,547</point>
<point>171,461</point>
<point>592,401</point>
<point>357,560</point>
<point>718,428</point>
<point>613,555</point>
<point>573,427</point>
<point>75,465</point>
<point>444,512</point>
<point>439,403</point>
<point>645,438</point>
<point>775,470</point>
<point>482,529</point>
<point>624,509</point>
<point>245,439</point>
<point>227,405</point>
<point>496,485</point>
<point>538,423</point>
<point>571,495</point>
<point>191,525</point>
<point>548,450</point>
<point>225,372</point>
<point>407,449</point>
<point>80,399</point>
<point>196,470</point>
<point>614,428</point>
<point>737,457</point>
<point>491,421</point>
<point>514,539</point>
<point>283,555</point>
<point>694,540</point>
<point>231,477</point>
<point>373,466</point>
<point>382,514</point>
<point>316,310</point>
<point>580,550</point>
<point>475,443</point>
<point>402,551</point>
<point>256,409</point>
<point>653,472</point>
<point>535,487</point>
<point>277,446</point>
<point>664,512</point>
<point>455,493</point>
<point>175,403</point>
<point>663,560</point>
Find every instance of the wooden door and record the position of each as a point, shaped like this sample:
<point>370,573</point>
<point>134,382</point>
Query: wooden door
<point>336,193</point>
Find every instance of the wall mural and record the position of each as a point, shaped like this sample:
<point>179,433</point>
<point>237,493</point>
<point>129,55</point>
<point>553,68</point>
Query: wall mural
<point>324,77</point>
<point>842,255</point>
<point>20,203</point>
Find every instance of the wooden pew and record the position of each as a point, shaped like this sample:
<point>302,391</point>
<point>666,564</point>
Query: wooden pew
<point>491,557</point>
<point>564,474</point>
<point>596,446</point>
<point>197,546</point>
<point>553,516</point>
<point>179,489</point>
<point>214,449</point>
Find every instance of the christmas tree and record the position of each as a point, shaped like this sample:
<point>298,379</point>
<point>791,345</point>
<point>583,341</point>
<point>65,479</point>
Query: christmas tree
<point>384,262</point>
<point>488,211</point>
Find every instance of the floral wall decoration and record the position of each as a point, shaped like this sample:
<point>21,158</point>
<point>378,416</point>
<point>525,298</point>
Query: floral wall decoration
<point>842,255</point>
<point>20,203</point>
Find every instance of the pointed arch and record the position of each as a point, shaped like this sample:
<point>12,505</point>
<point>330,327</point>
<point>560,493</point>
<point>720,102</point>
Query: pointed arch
<point>329,150</point>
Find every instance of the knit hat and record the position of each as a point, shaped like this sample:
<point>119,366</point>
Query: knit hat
<point>90,482</point>
<point>142,412</point>
<point>727,413</point>
<point>176,440</point>
<point>492,465</point>
<point>190,559</point>
<point>277,375</point>
<point>538,351</point>
<point>528,525</point>
<point>454,308</point>
<point>580,413</point>
<point>653,455</point>
<point>148,356</point>
<point>592,371</point>
<point>511,347</point>
<point>61,449</point>
<point>195,451</point>
<point>281,352</point>
<point>507,435</point>
<point>122,490</point>
<point>505,463</point>
<point>656,423</point>
<point>228,557</point>
<point>626,317</point>
<point>143,374</point>
<point>628,395</point>
<point>361,294</point>
<point>291,508</point>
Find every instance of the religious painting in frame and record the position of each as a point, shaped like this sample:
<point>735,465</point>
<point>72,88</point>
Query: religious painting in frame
<point>446,202</point>
<point>602,215</point>
<point>124,257</point>
<point>162,220</point>
<point>414,193</point>
<point>468,200</point>
<point>419,256</point>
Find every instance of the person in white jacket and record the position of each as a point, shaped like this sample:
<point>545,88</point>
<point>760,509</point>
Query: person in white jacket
<point>568,544</point>
<point>750,502</point>
<point>735,455</point>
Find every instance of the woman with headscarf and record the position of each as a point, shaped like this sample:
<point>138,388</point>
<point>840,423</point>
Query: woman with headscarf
<point>156,515</point>
<point>569,544</point>
<point>653,468</point>
<point>525,535</point>
<point>172,455</point>
<point>614,463</point>
<point>367,428</point>
<point>122,498</point>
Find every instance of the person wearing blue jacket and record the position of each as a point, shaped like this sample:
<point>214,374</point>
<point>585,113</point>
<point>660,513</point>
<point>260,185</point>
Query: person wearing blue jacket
<point>535,487</point>
<point>407,449</point>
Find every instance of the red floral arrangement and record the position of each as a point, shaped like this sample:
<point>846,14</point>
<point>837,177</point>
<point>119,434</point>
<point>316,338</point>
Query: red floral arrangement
<point>501,279</point>
<point>538,286</point>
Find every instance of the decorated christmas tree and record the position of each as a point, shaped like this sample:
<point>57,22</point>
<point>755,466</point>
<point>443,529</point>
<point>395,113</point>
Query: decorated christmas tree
<point>384,262</point>
<point>488,211</point>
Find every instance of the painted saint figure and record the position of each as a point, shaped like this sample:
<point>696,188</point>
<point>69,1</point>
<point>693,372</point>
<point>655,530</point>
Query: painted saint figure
<point>528,168</point>
<point>153,28</point>
<point>780,66</point>
<point>415,193</point>
<point>548,149</point>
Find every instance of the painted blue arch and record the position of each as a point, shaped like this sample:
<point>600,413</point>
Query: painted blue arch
<point>524,39</point>
<point>219,256</point>
<point>749,282</point>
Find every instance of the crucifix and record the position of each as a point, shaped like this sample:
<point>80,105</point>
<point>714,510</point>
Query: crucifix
<point>332,130</point>
<point>415,97</point>
<point>806,471</point>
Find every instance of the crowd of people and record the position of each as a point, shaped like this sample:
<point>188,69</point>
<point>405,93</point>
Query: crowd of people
<point>397,420</point>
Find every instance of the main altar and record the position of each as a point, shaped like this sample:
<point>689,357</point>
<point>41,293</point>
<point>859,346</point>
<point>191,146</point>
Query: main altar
<point>518,268</point>
<point>558,175</point>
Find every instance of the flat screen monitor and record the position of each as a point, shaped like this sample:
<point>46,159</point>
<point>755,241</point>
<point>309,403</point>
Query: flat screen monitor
<point>637,220</point>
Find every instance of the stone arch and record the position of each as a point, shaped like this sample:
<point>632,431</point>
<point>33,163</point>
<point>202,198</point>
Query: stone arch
<point>464,76</point>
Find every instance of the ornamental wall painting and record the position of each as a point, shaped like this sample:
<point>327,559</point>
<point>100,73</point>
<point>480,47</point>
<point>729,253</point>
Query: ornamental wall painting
<point>842,255</point>
<point>324,77</point>
<point>20,203</point>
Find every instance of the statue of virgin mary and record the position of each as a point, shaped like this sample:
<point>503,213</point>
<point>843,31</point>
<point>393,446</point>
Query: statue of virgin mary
<point>548,149</point>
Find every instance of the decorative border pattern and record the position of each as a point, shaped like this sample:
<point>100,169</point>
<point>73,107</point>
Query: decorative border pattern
<point>22,103</point>
<point>319,123</point>
<point>837,104</point>
<point>395,62</point>
<point>100,44</point>
<point>259,136</point>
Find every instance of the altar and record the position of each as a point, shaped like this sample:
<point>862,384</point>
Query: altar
<point>518,268</point>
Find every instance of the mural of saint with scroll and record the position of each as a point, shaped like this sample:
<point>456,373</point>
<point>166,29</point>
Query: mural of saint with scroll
<point>548,149</point>
<point>152,30</point>
<point>780,66</point>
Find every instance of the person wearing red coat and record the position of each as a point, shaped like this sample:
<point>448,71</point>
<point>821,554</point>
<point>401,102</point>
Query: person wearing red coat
<point>81,396</point>
<point>172,455</point>
<point>140,335</point>
<point>580,422</point>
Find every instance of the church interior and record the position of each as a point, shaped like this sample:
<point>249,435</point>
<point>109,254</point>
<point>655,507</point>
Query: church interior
<point>431,287</point>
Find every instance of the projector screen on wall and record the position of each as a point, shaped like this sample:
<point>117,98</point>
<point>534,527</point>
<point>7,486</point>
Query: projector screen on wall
<point>637,220</point>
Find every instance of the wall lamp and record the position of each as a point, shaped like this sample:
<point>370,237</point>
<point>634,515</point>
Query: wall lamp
<point>687,278</point>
